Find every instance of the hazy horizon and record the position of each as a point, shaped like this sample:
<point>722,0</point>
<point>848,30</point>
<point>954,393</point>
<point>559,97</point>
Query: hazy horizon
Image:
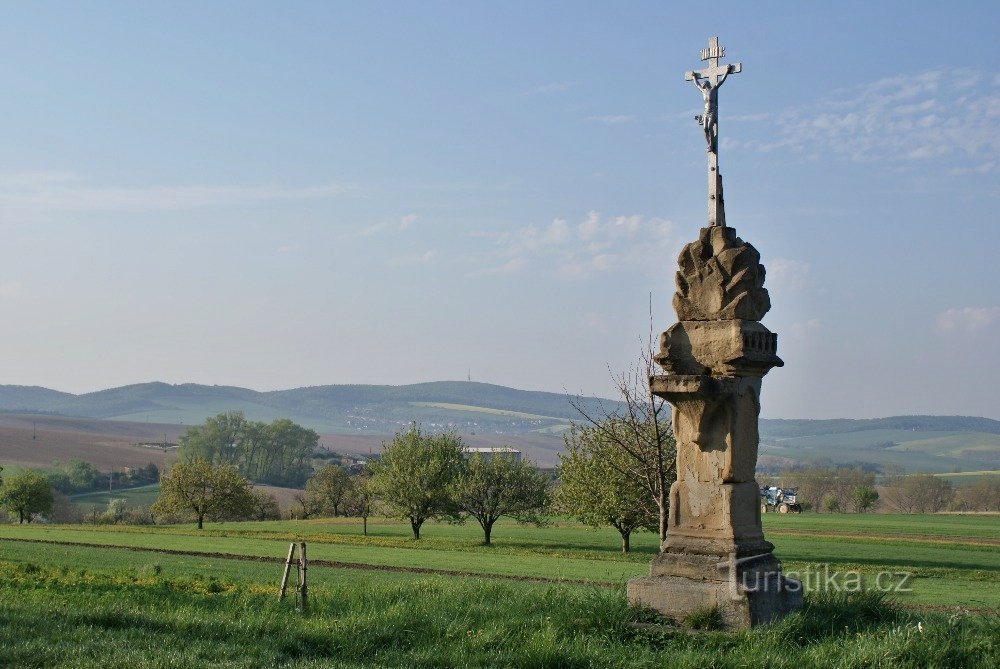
<point>556,392</point>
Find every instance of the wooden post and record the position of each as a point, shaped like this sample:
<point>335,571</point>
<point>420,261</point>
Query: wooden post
<point>303,588</point>
<point>288,566</point>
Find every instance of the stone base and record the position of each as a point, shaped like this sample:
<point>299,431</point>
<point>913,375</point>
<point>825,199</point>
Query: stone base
<point>682,585</point>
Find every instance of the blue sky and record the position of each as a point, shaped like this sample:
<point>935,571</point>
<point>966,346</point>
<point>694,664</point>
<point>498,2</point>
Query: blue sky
<point>283,194</point>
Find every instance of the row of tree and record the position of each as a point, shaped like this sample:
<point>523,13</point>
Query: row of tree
<point>419,477</point>
<point>833,488</point>
<point>423,476</point>
<point>279,453</point>
<point>617,470</point>
<point>77,476</point>
<point>926,493</point>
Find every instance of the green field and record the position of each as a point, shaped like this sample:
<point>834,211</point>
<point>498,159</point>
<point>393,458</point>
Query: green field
<point>174,596</point>
<point>959,479</point>
<point>916,450</point>
<point>483,410</point>
<point>955,559</point>
<point>144,495</point>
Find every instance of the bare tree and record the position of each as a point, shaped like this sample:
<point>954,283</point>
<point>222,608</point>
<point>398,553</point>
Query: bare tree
<point>919,493</point>
<point>640,426</point>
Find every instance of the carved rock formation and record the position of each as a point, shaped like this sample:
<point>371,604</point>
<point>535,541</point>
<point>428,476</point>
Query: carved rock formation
<point>720,278</point>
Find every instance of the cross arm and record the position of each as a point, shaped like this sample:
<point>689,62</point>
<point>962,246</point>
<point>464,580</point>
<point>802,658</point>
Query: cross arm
<point>714,71</point>
<point>730,69</point>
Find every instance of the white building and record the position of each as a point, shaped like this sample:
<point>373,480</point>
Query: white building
<point>489,452</point>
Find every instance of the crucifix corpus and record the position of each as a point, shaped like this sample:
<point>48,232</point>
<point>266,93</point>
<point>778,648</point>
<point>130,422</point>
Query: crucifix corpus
<point>708,81</point>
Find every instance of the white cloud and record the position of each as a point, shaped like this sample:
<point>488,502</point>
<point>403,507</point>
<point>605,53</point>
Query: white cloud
<point>936,114</point>
<point>613,119</point>
<point>67,191</point>
<point>966,319</point>
<point>784,273</point>
<point>594,245</point>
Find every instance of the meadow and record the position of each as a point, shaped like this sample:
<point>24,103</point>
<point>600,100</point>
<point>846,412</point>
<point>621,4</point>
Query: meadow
<point>141,495</point>
<point>552,596</point>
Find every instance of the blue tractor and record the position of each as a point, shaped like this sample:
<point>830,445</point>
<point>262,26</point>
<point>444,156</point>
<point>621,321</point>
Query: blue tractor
<point>782,500</point>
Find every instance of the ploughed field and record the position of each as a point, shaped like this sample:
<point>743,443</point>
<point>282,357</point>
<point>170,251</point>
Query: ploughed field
<point>552,596</point>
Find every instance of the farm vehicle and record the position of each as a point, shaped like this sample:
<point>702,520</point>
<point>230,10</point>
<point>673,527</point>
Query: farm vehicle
<point>782,500</point>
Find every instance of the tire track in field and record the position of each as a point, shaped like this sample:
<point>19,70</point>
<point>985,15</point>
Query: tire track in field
<point>333,564</point>
<point>918,538</point>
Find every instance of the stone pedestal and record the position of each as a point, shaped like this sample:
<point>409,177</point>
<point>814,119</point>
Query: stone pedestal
<point>715,357</point>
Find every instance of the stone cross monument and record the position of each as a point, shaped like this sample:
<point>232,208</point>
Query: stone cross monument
<point>715,357</point>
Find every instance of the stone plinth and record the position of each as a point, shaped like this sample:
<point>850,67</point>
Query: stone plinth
<point>715,356</point>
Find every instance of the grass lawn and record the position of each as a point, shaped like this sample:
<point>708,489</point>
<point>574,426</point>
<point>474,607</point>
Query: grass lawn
<point>72,606</point>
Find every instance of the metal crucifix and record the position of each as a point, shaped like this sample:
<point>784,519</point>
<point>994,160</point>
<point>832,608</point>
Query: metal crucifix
<point>708,81</point>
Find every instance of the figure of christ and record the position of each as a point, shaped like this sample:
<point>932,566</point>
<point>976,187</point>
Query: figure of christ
<point>710,119</point>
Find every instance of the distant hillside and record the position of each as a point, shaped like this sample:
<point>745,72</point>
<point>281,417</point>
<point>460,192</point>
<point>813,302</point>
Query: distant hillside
<point>534,421</point>
<point>365,409</point>
<point>801,428</point>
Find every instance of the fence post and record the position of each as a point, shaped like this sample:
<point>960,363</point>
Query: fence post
<point>288,566</point>
<point>303,588</point>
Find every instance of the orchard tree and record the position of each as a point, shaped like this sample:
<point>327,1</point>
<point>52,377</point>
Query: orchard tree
<point>361,498</point>
<point>983,495</point>
<point>639,428</point>
<point>25,494</point>
<point>925,493</point>
<point>490,488</point>
<point>204,490</point>
<point>306,510</point>
<point>864,497</point>
<point>328,490</point>
<point>596,488</point>
<point>413,477</point>
<point>265,506</point>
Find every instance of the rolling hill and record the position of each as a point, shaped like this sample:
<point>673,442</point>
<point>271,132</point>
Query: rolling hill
<point>361,409</point>
<point>357,418</point>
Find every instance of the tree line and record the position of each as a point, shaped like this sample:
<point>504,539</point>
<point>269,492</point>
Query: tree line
<point>279,453</point>
<point>828,488</point>
<point>418,477</point>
